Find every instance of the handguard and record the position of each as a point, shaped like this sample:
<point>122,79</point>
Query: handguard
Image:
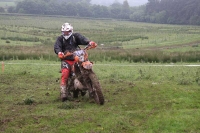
<point>91,45</point>
<point>60,55</point>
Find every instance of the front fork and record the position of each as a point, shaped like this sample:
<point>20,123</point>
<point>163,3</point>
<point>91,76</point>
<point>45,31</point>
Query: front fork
<point>89,84</point>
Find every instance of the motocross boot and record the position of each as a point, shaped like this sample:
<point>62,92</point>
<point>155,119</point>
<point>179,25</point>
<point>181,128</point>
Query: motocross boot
<point>63,93</point>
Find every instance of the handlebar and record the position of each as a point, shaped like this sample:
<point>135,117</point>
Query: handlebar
<point>86,48</point>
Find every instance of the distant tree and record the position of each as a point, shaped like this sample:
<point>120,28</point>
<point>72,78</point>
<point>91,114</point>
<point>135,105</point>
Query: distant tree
<point>152,6</point>
<point>116,4</point>
<point>70,9</point>
<point>138,13</point>
<point>100,11</point>
<point>115,9</point>
<point>174,11</point>
<point>11,9</point>
<point>195,20</point>
<point>2,9</point>
<point>105,11</point>
<point>161,17</point>
<point>155,11</point>
<point>125,11</point>
<point>83,10</point>
<point>32,6</point>
<point>72,1</point>
<point>138,16</point>
<point>171,20</point>
<point>54,8</point>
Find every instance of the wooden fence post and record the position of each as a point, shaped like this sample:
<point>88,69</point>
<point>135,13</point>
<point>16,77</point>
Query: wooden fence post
<point>2,66</point>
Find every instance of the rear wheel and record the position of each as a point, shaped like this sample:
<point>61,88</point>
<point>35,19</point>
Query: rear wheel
<point>97,91</point>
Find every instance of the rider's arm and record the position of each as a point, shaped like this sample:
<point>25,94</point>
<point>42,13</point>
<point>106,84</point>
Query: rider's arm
<point>58,45</point>
<point>80,39</point>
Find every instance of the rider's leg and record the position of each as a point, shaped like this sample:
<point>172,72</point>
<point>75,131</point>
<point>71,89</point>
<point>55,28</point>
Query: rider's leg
<point>65,70</point>
<point>64,77</point>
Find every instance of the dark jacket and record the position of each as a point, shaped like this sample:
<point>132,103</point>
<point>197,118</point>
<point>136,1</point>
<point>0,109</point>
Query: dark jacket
<point>71,44</point>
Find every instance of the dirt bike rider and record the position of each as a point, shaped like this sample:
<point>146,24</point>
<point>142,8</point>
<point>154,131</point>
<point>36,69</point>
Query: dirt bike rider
<point>68,42</point>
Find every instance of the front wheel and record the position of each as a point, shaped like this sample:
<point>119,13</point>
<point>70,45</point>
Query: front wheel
<point>96,91</point>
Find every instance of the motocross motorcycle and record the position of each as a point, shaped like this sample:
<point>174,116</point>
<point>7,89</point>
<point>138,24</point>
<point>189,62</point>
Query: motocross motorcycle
<point>83,79</point>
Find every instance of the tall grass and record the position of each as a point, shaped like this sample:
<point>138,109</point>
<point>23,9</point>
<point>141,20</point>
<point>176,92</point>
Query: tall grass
<point>100,55</point>
<point>34,37</point>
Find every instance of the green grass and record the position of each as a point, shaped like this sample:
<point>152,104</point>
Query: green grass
<point>123,40</point>
<point>195,48</point>
<point>138,98</point>
<point>108,32</point>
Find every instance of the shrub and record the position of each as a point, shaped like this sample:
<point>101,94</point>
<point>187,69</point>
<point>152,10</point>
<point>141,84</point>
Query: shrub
<point>7,41</point>
<point>28,101</point>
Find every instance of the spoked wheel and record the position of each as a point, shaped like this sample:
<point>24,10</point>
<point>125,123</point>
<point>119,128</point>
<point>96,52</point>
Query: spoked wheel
<point>97,91</point>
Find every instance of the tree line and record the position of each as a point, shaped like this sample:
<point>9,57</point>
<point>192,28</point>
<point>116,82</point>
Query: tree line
<point>173,11</point>
<point>155,11</point>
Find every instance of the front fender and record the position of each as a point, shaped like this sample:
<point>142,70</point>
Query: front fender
<point>87,65</point>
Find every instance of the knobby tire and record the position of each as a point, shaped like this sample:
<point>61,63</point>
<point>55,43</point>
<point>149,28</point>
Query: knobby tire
<point>98,95</point>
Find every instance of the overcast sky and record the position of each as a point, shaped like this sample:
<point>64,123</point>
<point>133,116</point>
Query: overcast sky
<point>109,2</point>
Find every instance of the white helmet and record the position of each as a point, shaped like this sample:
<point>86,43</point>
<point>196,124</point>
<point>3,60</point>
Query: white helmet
<point>66,27</point>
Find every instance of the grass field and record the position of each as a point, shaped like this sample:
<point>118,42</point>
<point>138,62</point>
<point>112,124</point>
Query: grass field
<point>26,37</point>
<point>143,97</point>
<point>107,32</point>
<point>138,98</point>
